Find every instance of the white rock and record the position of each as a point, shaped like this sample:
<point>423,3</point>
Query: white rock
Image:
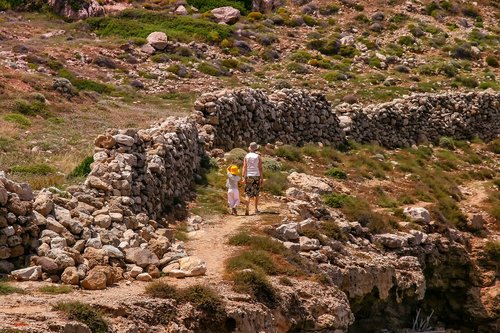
<point>144,277</point>
<point>308,244</point>
<point>227,14</point>
<point>159,41</point>
<point>32,273</point>
<point>418,214</point>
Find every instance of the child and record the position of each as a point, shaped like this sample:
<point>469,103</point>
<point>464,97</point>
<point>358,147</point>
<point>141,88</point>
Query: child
<point>233,195</point>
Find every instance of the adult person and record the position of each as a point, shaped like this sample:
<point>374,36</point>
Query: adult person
<point>252,175</point>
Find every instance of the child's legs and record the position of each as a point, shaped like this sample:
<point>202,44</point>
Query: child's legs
<point>233,198</point>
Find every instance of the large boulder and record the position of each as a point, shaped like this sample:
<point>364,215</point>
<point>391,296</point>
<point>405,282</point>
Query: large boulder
<point>418,214</point>
<point>158,40</point>
<point>99,277</point>
<point>141,257</point>
<point>228,14</point>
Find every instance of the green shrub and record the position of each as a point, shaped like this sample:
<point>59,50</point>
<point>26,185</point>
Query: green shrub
<point>82,169</point>
<point>17,119</point>
<point>140,23</point>
<point>375,62</point>
<point>309,20</point>
<point>34,169</point>
<point>492,249</point>
<point>467,81</point>
<point>236,156</point>
<point>447,142</point>
<point>253,259</point>
<point>85,84</point>
<point>255,16</point>
<point>206,300</point>
<point>406,40</point>
<point>275,182</point>
<point>211,69</point>
<point>289,153</point>
<point>55,289</point>
<point>297,68</point>
<point>301,56</point>
<point>336,173</point>
<point>271,164</point>
<point>30,109</point>
<point>494,146</point>
<point>84,313</point>
<point>470,10</point>
<point>160,289</point>
<point>462,51</point>
<point>257,285</point>
<point>492,61</point>
<point>256,243</point>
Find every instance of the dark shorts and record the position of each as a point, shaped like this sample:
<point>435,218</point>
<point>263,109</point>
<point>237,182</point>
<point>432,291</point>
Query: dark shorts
<point>252,186</point>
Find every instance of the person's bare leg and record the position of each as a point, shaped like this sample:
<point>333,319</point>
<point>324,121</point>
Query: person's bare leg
<point>247,204</point>
<point>256,204</point>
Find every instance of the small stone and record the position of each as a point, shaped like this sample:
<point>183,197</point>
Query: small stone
<point>144,277</point>
<point>70,276</point>
<point>136,270</point>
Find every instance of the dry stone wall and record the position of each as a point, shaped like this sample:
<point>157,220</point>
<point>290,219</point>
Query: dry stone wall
<point>423,118</point>
<point>18,233</point>
<point>234,119</point>
<point>150,169</point>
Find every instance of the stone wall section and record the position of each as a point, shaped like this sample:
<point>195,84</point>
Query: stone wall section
<point>148,169</point>
<point>236,118</point>
<point>423,118</point>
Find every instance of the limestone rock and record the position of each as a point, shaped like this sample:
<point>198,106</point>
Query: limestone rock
<point>308,244</point>
<point>418,214</point>
<point>32,273</point>
<point>141,257</point>
<point>390,241</point>
<point>145,277</point>
<point>158,40</point>
<point>70,276</point>
<point>309,183</point>
<point>227,14</point>
<point>189,266</point>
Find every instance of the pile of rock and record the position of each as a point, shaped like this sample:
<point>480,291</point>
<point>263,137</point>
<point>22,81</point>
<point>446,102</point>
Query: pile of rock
<point>423,118</point>
<point>83,9</point>
<point>18,230</point>
<point>234,119</point>
<point>111,227</point>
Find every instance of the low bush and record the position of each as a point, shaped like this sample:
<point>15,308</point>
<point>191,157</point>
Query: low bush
<point>212,70</point>
<point>55,289</point>
<point>492,249</point>
<point>85,84</point>
<point>205,5</point>
<point>336,173</point>
<point>492,61</point>
<point>41,169</point>
<point>406,40</point>
<point>462,51</point>
<point>160,289</point>
<point>35,108</point>
<point>263,243</point>
<point>275,182</point>
<point>84,313</point>
<point>253,259</point>
<point>447,142</point>
<point>297,68</point>
<point>17,119</point>
<point>290,153</point>
<point>257,285</point>
<point>82,169</point>
<point>494,146</point>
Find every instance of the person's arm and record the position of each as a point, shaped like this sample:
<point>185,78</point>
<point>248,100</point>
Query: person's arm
<point>244,171</point>
<point>261,171</point>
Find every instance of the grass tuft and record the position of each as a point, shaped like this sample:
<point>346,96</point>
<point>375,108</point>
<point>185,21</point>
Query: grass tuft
<point>84,313</point>
<point>6,289</point>
<point>55,290</point>
<point>257,285</point>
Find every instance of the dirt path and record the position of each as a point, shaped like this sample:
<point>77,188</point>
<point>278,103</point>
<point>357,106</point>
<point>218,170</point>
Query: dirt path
<point>210,242</point>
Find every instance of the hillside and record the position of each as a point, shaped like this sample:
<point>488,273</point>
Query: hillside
<point>379,126</point>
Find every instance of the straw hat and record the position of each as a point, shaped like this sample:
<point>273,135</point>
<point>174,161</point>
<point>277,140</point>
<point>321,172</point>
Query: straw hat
<point>253,146</point>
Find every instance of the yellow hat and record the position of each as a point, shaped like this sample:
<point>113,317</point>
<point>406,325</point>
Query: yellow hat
<point>234,169</point>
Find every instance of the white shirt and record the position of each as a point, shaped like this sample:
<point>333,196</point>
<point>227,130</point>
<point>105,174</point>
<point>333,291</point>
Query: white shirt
<point>252,160</point>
